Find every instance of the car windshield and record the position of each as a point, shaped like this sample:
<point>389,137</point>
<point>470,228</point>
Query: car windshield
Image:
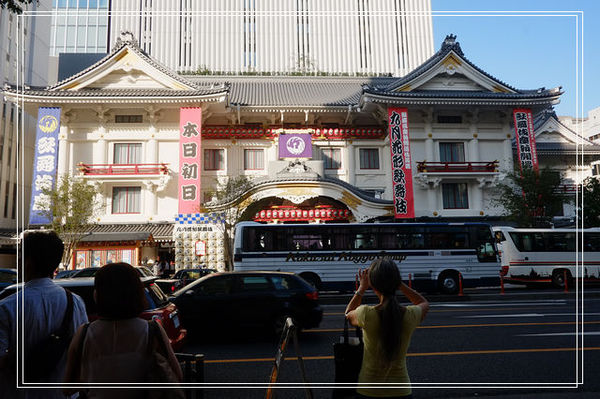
<point>156,296</point>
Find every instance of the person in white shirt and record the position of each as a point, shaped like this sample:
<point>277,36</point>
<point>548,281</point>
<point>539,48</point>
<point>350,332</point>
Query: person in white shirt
<point>44,305</point>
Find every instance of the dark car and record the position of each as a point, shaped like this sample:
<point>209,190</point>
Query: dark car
<point>159,306</point>
<point>7,277</point>
<point>234,300</point>
<point>182,278</point>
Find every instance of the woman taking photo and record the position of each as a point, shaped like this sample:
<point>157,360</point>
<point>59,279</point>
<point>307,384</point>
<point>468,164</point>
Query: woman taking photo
<point>119,346</point>
<point>387,329</point>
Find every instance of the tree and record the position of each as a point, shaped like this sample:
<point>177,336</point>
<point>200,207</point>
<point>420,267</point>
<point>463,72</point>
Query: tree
<point>531,198</point>
<point>14,6</point>
<point>228,200</point>
<point>590,214</point>
<point>71,207</point>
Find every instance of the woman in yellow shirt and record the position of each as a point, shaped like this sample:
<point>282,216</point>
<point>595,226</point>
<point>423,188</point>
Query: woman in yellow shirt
<point>387,329</point>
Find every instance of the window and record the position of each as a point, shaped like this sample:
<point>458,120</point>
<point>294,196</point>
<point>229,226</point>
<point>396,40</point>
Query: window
<point>332,158</point>
<point>126,200</point>
<point>128,153</point>
<point>254,159</point>
<point>213,159</point>
<point>449,119</point>
<point>455,196</point>
<point>369,158</point>
<point>255,283</point>
<point>128,118</point>
<point>452,152</point>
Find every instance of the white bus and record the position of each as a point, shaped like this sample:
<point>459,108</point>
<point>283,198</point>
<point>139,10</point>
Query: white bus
<point>329,255</point>
<point>531,256</point>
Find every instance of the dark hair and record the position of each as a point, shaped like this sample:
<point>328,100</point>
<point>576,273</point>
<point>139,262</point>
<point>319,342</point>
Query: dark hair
<point>384,276</point>
<point>119,291</point>
<point>43,249</point>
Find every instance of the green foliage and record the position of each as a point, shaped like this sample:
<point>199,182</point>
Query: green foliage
<point>14,6</point>
<point>71,207</point>
<point>228,199</point>
<point>590,214</point>
<point>531,198</point>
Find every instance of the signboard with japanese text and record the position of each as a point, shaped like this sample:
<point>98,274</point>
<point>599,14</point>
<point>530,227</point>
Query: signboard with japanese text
<point>295,146</point>
<point>190,127</point>
<point>525,139</point>
<point>401,163</point>
<point>44,162</point>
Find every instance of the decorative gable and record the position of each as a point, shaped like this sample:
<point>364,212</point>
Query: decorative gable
<point>126,67</point>
<point>448,69</point>
<point>548,129</point>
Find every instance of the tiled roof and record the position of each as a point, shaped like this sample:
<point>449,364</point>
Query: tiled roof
<point>556,148</point>
<point>36,91</point>
<point>293,91</point>
<point>160,231</point>
<point>449,44</point>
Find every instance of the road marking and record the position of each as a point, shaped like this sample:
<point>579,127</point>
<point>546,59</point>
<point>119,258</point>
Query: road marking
<point>447,310</point>
<point>489,316</point>
<point>498,304</point>
<point>558,334</point>
<point>556,323</point>
<point>423,354</point>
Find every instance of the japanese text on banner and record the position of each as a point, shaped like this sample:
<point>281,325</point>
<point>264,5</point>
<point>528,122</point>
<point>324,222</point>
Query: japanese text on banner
<point>525,139</point>
<point>401,163</point>
<point>44,163</point>
<point>190,128</point>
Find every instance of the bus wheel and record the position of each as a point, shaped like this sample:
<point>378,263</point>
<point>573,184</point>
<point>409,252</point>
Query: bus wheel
<point>312,279</point>
<point>448,282</point>
<point>558,278</point>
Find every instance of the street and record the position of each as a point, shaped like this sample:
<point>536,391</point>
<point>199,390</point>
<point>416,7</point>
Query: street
<point>491,346</point>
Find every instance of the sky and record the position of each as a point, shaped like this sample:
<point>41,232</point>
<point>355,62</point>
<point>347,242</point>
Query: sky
<point>529,50</point>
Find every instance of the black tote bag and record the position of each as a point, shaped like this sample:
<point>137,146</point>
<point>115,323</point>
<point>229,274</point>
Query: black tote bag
<point>348,356</point>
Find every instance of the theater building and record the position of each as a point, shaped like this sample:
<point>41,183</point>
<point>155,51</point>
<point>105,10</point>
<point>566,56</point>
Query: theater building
<point>431,145</point>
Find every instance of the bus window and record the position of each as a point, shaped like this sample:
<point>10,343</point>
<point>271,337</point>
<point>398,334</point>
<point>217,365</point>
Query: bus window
<point>311,242</point>
<point>484,243</point>
<point>591,242</point>
<point>363,240</point>
<point>499,237</point>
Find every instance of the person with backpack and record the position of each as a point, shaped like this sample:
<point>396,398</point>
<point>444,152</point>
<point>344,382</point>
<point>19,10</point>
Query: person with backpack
<point>50,317</point>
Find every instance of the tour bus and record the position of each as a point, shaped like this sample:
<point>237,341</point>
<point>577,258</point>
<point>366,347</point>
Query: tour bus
<point>329,255</point>
<point>531,256</point>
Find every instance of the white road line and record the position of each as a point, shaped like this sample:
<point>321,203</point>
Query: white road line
<point>523,315</point>
<point>558,334</point>
<point>496,304</point>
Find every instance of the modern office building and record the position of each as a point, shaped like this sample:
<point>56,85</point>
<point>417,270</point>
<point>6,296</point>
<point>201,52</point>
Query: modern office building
<point>25,66</point>
<point>383,37</point>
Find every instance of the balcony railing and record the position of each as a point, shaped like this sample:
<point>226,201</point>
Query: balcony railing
<point>567,188</point>
<point>123,169</point>
<point>457,167</point>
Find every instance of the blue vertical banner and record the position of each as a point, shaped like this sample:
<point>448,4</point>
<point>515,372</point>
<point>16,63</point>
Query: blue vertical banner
<point>44,162</point>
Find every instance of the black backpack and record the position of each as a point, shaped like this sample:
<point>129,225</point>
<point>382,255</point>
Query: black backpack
<point>42,358</point>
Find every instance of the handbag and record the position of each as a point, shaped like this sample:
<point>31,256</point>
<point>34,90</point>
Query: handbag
<point>159,369</point>
<point>348,356</point>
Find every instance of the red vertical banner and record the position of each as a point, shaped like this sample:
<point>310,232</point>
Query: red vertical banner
<point>404,206</point>
<point>190,128</point>
<point>525,137</point>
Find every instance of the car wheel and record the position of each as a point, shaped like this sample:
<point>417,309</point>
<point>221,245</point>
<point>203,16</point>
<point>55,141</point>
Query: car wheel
<point>448,282</point>
<point>558,278</point>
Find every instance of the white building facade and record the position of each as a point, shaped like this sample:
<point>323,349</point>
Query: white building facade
<point>120,131</point>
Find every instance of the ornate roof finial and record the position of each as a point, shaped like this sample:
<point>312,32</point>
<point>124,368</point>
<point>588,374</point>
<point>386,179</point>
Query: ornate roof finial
<point>126,37</point>
<point>450,43</point>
